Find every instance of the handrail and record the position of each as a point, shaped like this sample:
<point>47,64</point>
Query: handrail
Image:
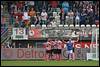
<point>4,31</point>
<point>2,34</point>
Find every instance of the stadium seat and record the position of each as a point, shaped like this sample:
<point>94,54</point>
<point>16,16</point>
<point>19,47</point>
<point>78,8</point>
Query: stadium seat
<point>60,26</point>
<point>38,26</point>
<point>54,14</point>
<point>82,26</point>
<point>98,25</point>
<point>71,26</point>
<point>43,26</point>
<point>77,26</point>
<point>65,26</point>
<point>93,25</point>
<point>48,26</point>
<point>88,26</point>
<point>58,9</point>
<point>33,26</point>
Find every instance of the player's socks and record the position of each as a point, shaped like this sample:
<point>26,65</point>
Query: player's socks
<point>73,56</point>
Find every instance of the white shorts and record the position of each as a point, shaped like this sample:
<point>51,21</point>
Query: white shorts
<point>70,51</point>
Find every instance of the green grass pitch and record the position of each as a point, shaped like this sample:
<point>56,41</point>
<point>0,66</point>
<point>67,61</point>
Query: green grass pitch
<point>49,63</point>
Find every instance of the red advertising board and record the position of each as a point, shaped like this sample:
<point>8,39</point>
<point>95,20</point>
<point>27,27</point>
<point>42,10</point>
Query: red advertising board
<point>35,33</point>
<point>84,44</point>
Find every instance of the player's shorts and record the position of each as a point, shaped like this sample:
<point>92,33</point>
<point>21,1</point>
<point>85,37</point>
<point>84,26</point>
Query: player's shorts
<point>55,51</point>
<point>73,49</point>
<point>59,51</point>
<point>70,51</point>
<point>48,51</point>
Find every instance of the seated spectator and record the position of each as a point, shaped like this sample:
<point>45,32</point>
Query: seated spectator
<point>53,23</point>
<point>44,17</point>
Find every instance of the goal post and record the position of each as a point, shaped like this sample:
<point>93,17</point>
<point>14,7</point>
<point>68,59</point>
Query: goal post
<point>94,51</point>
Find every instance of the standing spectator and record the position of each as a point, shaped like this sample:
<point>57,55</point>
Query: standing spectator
<point>62,17</point>
<point>44,17</point>
<point>20,5</point>
<point>31,4</point>
<point>3,21</point>
<point>38,20</point>
<point>25,7</point>
<point>77,18</point>
<point>19,17</point>
<point>19,45</point>
<point>13,45</point>
<point>26,19</point>
<point>32,14</point>
<point>65,6</point>
<point>2,7</point>
<point>54,5</point>
<point>83,17</point>
<point>97,18</point>
<point>71,17</point>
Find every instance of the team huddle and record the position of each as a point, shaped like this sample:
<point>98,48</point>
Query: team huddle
<point>54,49</point>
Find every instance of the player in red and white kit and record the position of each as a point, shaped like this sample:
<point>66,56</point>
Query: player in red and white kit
<point>48,50</point>
<point>60,46</point>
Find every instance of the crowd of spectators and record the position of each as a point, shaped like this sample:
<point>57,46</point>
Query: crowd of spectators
<point>26,13</point>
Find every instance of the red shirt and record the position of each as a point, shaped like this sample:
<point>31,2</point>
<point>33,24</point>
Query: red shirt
<point>19,16</point>
<point>19,5</point>
<point>54,4</point>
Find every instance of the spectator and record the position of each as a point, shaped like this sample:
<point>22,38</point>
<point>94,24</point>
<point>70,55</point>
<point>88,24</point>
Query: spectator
<point>13,45</point>
<point>31,4</point>
<point>62,17</point>
<point>53,23</point>
<point>65,6</point>
<point>38,20</point>
<point>2,7</point>
<point>12,15</point>
<point>32,14</point>
<point>97,18</point>
<point>20,5</point>
<point>77,18</point>
<point>19,17</point>
<point>71,17</point>
<point>26,19</point>
<point>44,17</point>
<point>83,17</point>
<point>3,21</point>
<point>54,5</point>
<point>19,45</point>
<point>25,7</point>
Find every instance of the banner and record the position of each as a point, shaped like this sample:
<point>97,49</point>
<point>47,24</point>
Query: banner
<point>36,53</point>
<point>84,45</point>
<point>19,34</point>
<point>35,33</point>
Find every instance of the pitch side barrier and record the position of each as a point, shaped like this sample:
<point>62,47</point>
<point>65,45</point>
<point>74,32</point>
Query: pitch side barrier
<point>37,53</point>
